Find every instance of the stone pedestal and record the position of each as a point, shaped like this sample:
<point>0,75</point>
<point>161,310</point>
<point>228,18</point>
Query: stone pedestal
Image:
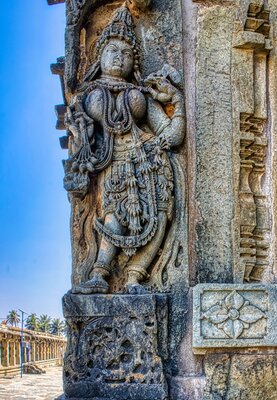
<point>116,347</point>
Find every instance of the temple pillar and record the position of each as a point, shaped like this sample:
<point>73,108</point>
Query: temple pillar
<point>1,349</point>
<point>33,351</point>
<point>48,350</point>
<point>44,357</point>
<point>24,354</point>
<point>5,353</point>
<point>42,351</point>
<point>17,347</point>
<point>39,350</point>
<point>204,79</point>
<point>12,353</point>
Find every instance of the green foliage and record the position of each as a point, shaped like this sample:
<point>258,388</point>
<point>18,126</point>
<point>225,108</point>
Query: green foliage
<point>44,323</point>
<point>57,326</point>
<point>13,318</point>
<point>32,322</point>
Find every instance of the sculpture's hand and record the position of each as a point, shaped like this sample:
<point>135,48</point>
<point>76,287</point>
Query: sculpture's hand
<point>71,123</point>
<point>78,122</point>
<point>160,88</point>
<point>165,142</point>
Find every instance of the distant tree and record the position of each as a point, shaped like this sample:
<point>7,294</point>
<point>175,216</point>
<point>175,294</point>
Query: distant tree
<point>13,318</point>
<point>44,323</point>
<point>32,322</point>
<point>57,326</point>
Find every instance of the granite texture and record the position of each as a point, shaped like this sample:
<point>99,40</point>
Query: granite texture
<point>241,376</point>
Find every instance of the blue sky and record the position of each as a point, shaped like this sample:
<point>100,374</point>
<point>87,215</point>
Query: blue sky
<point>35,261</point>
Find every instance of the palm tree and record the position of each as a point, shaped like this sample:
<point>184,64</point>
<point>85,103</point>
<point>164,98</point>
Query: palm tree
<point>44,323</point>
<point>13,318</point>
<point>57,326</point>
<point>32,322</point>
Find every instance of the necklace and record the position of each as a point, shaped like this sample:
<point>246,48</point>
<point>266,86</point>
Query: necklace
<point>122,122</point>
<point>114,86</point>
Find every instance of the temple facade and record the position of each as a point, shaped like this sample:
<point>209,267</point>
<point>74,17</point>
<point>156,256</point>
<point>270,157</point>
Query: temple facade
<point>169,112</point>
<point>37,347</point>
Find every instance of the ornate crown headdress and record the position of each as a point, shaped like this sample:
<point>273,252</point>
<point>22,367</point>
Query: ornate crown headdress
<point>121,27</point>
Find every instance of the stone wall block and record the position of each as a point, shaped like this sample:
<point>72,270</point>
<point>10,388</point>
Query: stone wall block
<point>213,141</point>
<point>115,346</point>
<point>234,316</point>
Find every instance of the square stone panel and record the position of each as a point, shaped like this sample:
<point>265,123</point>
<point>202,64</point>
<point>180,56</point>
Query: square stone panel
<point>234,315</point>
<point>116,347</point>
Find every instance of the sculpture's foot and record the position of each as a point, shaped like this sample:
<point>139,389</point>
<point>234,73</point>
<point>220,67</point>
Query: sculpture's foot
<point>95,285</point>
<point>136,288</point>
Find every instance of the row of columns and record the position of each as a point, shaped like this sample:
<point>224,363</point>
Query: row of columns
<point>34,350</point>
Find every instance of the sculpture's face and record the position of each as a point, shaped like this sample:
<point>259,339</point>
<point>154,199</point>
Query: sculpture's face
<point>117,59</point>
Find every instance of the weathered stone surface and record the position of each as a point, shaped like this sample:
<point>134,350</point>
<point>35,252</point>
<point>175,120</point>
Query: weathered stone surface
<point>188,388</point>
<point>115,348</point>
<point>213,144</point>
<point>241,376</point>
<point>223,227</point>
<point>234,316</point>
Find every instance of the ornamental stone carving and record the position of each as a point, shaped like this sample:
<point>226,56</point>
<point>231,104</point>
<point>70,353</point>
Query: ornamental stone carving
<point>233,315</point>
<point>116,346</point>
<point>158,220</point>
<point>122,129</point>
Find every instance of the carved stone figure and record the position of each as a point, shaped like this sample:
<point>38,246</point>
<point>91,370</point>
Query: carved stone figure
<point>121,130</point>
<point>192,223</point>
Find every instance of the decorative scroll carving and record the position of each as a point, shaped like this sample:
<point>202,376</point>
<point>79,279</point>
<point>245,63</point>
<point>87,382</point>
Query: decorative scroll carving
<point>122,128</point>
<point>114,351</point>
<point>73,10</point>
<point>254,223</point>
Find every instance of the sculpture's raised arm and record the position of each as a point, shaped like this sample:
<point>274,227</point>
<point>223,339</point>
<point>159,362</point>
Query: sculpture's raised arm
<point>171,129</point>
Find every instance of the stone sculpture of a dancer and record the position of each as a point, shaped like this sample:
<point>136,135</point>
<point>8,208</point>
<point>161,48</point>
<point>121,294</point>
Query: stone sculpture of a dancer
<point>121,131</point>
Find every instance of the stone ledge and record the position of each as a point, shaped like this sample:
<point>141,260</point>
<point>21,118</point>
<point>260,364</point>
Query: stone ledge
<point>75,305</point>
<point>234,315</point>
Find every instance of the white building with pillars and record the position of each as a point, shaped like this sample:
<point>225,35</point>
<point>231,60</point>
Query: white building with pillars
<point>37,347</point>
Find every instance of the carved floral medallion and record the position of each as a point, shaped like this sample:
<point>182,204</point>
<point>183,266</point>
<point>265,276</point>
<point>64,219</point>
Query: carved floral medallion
<point>233,315</point>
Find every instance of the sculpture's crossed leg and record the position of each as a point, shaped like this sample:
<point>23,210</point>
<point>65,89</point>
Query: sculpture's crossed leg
<point>137,266</point>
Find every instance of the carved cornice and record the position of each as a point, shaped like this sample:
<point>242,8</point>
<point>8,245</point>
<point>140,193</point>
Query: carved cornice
<point>258,19</point>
